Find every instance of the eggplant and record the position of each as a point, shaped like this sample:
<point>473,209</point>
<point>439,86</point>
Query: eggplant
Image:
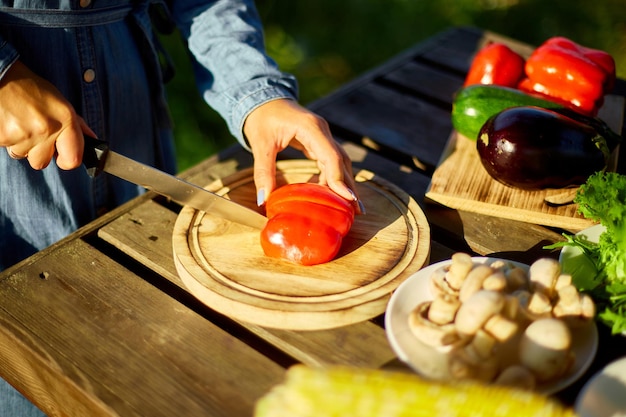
<point>534,148</point>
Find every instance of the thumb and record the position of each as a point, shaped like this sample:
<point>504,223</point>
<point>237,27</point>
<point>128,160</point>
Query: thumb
<point>70,144</point>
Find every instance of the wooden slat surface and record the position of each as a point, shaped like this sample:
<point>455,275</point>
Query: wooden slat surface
<point>432,83</point>
<point>122,346</point>
<point>388,118</point>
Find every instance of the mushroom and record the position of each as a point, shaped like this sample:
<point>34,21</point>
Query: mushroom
<point>531,306</point>
<point>501,328</point>
<point>477,309</point>
<point>499,322</point>
<point>443,308</point>
<point>516,376</point>
<point>482,345</point>
<point>545,348</point>
<point>516,278</point>
<point>574,308</point>
<point>495,282</point>
<point>562,281</point>
<point>464,364</point>
<point>439,285</point>
<point>474,281</point>
<point>543,275</point>
<point>511,307</point>
<point>539,305</point>
<point>460,267</point>
<point>430,333</point>
<point>588,308</point>
<point>568,302</point>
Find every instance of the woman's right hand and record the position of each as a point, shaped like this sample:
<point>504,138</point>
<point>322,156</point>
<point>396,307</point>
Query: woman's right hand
<point>37,122</point>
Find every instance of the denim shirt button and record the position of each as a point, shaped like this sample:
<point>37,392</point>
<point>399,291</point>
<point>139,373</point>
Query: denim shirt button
<point>85,3</point>
<point>89,75</point>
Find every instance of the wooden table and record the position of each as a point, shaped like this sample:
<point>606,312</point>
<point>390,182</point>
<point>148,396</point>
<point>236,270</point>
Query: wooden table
<point>101,325</point>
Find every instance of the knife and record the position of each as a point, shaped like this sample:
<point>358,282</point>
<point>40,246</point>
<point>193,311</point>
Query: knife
<point>97,157</point>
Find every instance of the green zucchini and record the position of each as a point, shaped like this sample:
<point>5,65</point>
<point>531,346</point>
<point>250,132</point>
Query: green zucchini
<point>474,104</point>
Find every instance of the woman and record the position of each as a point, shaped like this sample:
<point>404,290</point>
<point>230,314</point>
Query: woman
<point>74,67</point>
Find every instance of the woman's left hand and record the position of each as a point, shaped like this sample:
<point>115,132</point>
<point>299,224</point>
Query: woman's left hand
<point>273,126</point>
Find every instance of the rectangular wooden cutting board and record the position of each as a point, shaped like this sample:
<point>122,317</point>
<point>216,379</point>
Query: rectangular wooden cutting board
<point>460,182</point>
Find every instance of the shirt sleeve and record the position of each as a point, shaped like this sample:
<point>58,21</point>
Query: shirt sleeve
<point>232,70</point>
<point>8,55</point>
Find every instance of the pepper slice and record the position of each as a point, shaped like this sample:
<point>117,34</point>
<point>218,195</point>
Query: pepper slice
<point>497,64</point>
<point>307,223</point>
<point>570,73</point>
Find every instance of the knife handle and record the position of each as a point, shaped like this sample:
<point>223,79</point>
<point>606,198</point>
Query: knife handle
<point>94,155</point>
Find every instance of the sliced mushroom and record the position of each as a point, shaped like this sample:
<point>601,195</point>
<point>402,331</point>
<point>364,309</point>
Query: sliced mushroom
<point>443,308</point>
<point>429,333</point>
<point>439,285</point>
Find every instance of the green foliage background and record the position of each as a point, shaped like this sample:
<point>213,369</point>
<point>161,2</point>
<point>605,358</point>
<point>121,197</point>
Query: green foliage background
<point>326,43</point>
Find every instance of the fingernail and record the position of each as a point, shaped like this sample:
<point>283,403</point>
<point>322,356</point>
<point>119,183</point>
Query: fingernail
<point>353,195</point>
<point>361,206</point>
<point>260,197</point>
<point>357,201</point>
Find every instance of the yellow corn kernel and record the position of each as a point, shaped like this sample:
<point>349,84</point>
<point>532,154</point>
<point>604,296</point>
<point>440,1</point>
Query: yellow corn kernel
<point>347,392</point>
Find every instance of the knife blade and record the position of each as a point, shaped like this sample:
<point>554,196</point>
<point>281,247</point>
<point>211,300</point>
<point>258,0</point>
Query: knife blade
<point>97,158</point>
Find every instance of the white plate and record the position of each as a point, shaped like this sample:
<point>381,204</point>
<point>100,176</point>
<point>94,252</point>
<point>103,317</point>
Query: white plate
<point>604,395</point>
<point>415,290</point>
<point>569,254</point>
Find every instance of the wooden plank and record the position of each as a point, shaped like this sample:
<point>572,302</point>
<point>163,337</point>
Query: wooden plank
<point>456,48</point>
<point>426,49</point>
<point>486,235</point>
<point>312,348</point>
<point>387,117</point>
<point>476,191</point>
<point>427,82</point>
<point>81,335</point>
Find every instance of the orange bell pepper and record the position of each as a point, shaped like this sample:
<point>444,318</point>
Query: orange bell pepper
<point>496,64</point>
<point>307,223</point>
<point>570,73</point>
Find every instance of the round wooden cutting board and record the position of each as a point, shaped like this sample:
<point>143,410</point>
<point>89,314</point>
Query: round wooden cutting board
<point>223,265</point>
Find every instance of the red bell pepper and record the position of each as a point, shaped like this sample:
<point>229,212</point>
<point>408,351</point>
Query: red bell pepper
<point>570,73</point>
<point>307,223</point>
<point>497,64</point>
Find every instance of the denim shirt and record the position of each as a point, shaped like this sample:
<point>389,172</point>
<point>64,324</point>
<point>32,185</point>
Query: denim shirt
<point>102,55</point>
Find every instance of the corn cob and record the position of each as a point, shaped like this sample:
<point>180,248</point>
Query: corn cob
<point>347,392</point>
